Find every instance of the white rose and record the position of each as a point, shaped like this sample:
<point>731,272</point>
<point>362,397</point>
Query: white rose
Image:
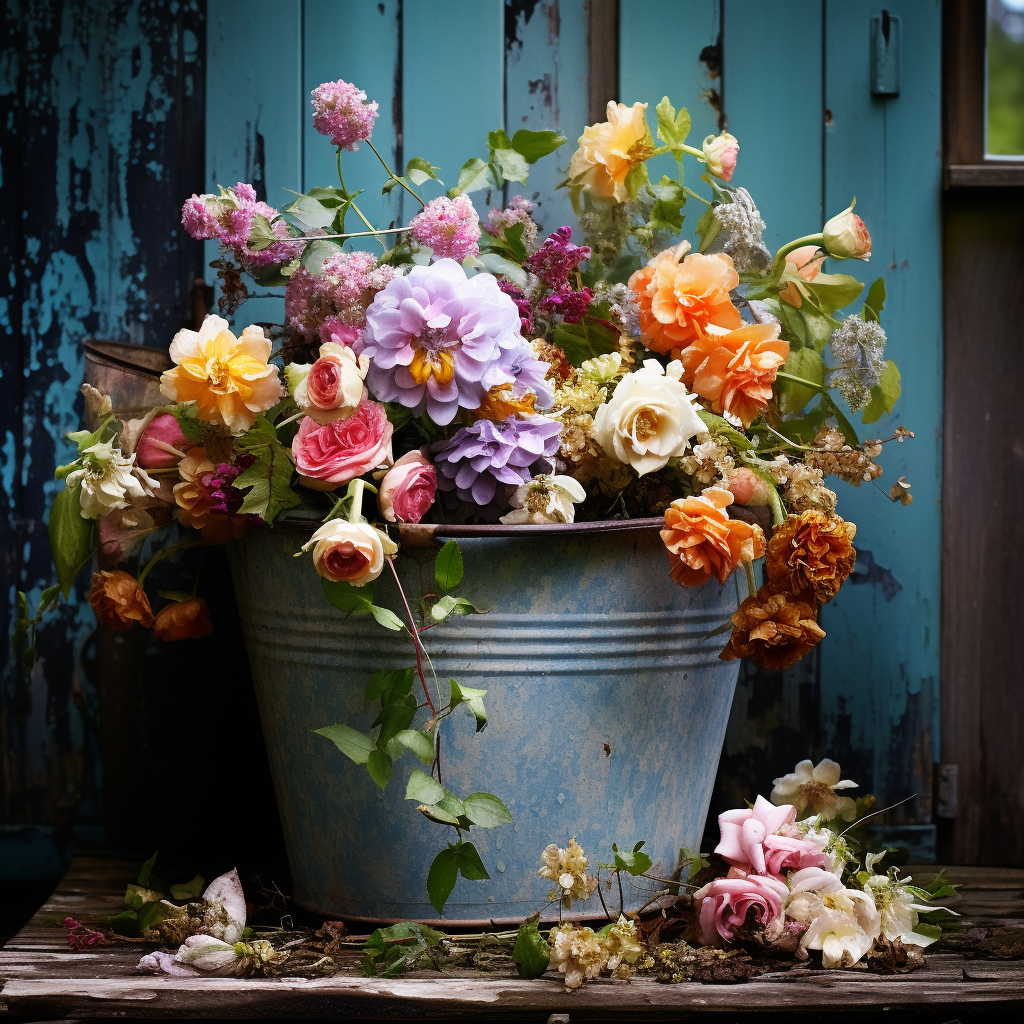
<point>545,499</point>
<point>649,419</point>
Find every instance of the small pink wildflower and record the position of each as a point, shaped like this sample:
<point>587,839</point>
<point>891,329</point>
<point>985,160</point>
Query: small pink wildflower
<point>517,211</point>
<point>449,226</point>
<point>81,936</point>
<point>340,111</point>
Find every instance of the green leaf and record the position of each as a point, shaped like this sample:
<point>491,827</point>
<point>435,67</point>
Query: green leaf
<point>636,178</point>
<point>146,871</point>
<point>418,170</point>
<point>884,394</point>
<point>444,873</point>
<point>494,263</point>
<point>721,427</point>
<point>805,363</point>
<point>531,953</point>
<point>473,699</point>
<point>534,145</point>
<point>151,913</point>
<point>486,810</point>
<point>317,253</point>
<point>389,951</point>
<point>448,604</point>
<point>512,165</point>
<point>874,302</point>
<point>436,813</point>
<point>472,177</point>
<point>667,212</point>
<point>419,744</point>
<point>354,745</point>
<point>672,127</point>
<point>307,214</point>
<point>452,805</point>
<point>346,597</point>
<point>831,291</point>
<point>387,685</point>
<point>635,862</point>
<point>126,923</point>
<point>395,717</point>
<point>379,765</point>
<point>622,268</point>
<point>386,617</point>
<point>470,864</point>
<point>585,340</point>
<point>708,228</point>
<point>72,537</point>
<point>448,567</point>
<point>189,890</point>
<point>423,788</point>
<point>269,478</point>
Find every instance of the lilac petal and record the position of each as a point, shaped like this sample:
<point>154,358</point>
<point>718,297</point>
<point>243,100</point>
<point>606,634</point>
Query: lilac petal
<point>483,489</point>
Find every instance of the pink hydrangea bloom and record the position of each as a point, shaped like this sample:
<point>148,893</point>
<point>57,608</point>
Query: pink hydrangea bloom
<point>723,904</point>
<point>340,111</point>
<point>517,211</point>
<point>197,219</point>
<point>751,840</point>
<point>449,226</point>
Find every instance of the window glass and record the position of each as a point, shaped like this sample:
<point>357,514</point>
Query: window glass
<point>1005,134</point>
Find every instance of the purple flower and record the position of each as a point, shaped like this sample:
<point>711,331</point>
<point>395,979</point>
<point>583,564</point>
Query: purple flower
<point>479,457</point>
<point>521,301</point>
<point>435,340</point>
<point>556,259</point>
<point>340,111</point>
<point>224,496</point>
<point>449,226</point>
<point>569,305</point>
<point>529,374</point>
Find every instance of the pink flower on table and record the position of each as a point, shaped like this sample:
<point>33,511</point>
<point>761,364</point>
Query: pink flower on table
<point>341,112</point>
<point>449,226</point>
<point>751,840</point>
<point>408,489</point>
<point>329,455</point>
<point>723,904</point>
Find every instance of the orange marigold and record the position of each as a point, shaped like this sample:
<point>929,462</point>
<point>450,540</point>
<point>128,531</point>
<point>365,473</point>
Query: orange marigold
<point>183,620</point>
<point>774,630</point>
<point>679,300</point>
<point>703,541</point>
<point>810,555</point>
<point>119,601</point>
<point>735,371</point>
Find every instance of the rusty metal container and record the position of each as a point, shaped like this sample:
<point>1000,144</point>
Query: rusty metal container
<point>129,374</point>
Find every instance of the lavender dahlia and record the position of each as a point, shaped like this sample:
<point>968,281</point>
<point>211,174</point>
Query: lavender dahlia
<point>479,457</point>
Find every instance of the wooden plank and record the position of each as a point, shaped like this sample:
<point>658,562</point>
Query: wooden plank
<point>879,662</point>
<point>963,42</point>
<point>1006,175</point>
<point>603,46</point>
<point>357,41</point>
<point>546,74</point>
<point>255,109</point>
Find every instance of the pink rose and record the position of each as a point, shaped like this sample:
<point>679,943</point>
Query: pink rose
<point>723,905</point>
<point>345,552</point>
<point>747,487</point>
<point>408,489</point>
<point>751,840</point>
<point>162,444</point>
<point>332,387</point>
<point>807,265</point>
<point>336,332</point>
<point>341,450</point>
<point>846,236</point>
<point>720,152</point>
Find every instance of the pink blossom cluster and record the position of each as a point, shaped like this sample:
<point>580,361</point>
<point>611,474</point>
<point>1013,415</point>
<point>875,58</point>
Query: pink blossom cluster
<point>518,211</point>
<point>522,304</point>
<point>340,112</point>
<point>449,226</point>
<point>81,936</point>
<point>557,259</point>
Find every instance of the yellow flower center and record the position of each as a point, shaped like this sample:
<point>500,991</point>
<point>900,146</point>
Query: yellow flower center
<point>499,403</point>
<point>645,424</point>
<point>438,363</point>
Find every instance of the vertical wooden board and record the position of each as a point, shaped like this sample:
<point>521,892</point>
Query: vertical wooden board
<point>453,84</point>
<point>660,42</point>
<point>880,661</point>
<point>546,71</point>
<point>357,41</point>
<point>775,107</point>
<point>254,110</point>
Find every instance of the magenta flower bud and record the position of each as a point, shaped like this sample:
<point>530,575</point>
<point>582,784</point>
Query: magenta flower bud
<point>162,444</point>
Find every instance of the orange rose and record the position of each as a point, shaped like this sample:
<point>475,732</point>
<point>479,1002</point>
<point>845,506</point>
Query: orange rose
<point>810,555</point>
<point>803,262</point>
<point>774,630</point>
<point>183,620</point>
<point>703,541</point>
<point>118,601</point>
<point>735,371</point>
<point>678,301</point>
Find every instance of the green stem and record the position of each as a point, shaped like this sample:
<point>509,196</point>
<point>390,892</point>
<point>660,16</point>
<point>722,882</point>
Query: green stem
<point>817,239</point>
<point>359,213</point>
<point>393,175</point>
<point>696,195</point>
<point>355,512</point>
<point>801,380</point>
<point>180,546</point>
<point>348,234</point>
<point>751,582</point>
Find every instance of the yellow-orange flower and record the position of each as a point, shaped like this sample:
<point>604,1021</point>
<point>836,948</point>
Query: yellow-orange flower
<point>500,403</point>
<point>183,620</point>
<point>806,265</point>
<point>774,630</point>
<point>228,378</point>
<point>119,601</point>
<point>195,500</point>
<point>810,555</point>
<point>735,371</point>
<point>609,150</point>
<point>680,300</point>
<point>703,541</point>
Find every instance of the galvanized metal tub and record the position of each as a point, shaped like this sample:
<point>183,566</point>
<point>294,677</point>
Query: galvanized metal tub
<point>607,712</point>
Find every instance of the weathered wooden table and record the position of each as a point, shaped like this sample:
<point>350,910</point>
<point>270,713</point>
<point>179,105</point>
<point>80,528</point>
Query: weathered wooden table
<point>42,979</point>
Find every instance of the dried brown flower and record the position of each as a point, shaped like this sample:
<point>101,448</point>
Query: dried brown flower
<point>900,491</point>
<point>183,620</point>
<point>833,456</point>
<point>119,601</point>
<point>774,630</point>
<point>810,555</point>
<point>561,368</point>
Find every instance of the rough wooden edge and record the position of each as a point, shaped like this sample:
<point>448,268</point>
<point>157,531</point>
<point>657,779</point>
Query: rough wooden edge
<point>603,45</point>
<point>986,175</point>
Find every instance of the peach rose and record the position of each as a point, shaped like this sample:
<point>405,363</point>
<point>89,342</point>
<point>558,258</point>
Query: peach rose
<point>735,371</point>
<point>846,236</point>
<point>703,541</point>
<point>720,152</point>
<point>183,620</point>
<point>680,300</point>
<point>195,500</point>
<point>334,453</point>
<point>119,601</point>
<point>804,262</point>
<point>161,444</point>
<point>408,489</point>
<point>345,552</point>
<point>332,387</point>
<point>609,150</point>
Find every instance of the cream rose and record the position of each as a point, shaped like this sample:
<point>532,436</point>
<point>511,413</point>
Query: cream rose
<point>649,419</point>
<point>609,150</point>
<point>846,236</point>
<point>332,387</point>
<point>345,552</point>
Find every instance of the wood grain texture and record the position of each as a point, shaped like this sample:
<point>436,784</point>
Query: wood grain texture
<point>983,534</point>
<point>963,57</point>
<point>603,50</point>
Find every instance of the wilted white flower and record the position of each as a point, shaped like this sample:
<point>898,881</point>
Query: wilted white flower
<point>843,923</point>
<point>577,953</point>
<point>805,489</point>
<point>602,369</point>
<point>108,479</point>
<point>567,868</point>
<point>814,788</point>
<point>545,499</point>
<point>709,463</point>
<point>97,404</point>
<point>622,946</point>
<point>894,897</point>
<point>859,348</point>
<point>742,224</point>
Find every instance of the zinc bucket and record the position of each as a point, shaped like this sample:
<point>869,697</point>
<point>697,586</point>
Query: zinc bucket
<point>607,709</point>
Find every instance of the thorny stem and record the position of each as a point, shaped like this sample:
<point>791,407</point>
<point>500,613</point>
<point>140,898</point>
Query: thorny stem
<point>415,638</point>
<point>393,175</point>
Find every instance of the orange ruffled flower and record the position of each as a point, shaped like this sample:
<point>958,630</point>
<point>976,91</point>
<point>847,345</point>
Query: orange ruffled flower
<point>183,620</point>
<point>194,501</point>
<point>735,371</point>
<point>810,555</point>
<point>679,300</point>
<point>119,601</point>
<point>703,541</point>
<point>774,630</point>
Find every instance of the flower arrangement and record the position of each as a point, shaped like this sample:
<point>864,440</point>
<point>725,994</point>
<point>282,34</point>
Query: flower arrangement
<point>488,371</point>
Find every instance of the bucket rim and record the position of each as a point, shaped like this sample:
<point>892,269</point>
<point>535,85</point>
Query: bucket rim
<point>117,354</point>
